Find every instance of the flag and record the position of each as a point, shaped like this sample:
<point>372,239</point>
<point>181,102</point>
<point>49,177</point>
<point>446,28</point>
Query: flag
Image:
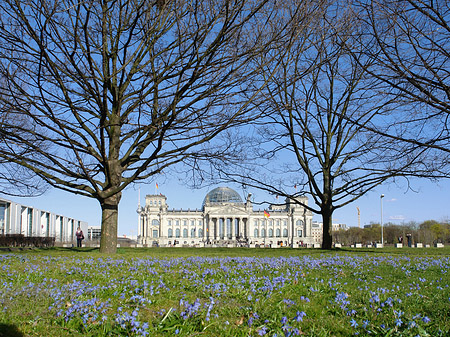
<point>276,197</point>
<point>157,186</point>
<point>266,214</point>
<point>295,186</point>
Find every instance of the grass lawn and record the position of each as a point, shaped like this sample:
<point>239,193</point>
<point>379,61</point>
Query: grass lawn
<point>225,292</point>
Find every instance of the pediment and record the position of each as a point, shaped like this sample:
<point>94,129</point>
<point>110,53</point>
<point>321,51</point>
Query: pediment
<point>226,210</point>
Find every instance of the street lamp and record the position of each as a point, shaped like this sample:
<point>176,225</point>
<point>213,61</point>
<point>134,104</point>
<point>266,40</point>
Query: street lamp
<point>381,205</point>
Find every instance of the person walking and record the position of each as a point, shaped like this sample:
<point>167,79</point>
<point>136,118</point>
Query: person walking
<point>80,237</point>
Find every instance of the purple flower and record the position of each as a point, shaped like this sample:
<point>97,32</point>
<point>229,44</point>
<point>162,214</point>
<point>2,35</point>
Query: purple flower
<point>262,331</point>
<point>299,316</point>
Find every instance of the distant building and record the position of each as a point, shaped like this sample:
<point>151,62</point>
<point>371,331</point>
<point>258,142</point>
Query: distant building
<point>224,220</point>
<point>16,218</point>
<point>339,227</point>
<point>317,231</point>
<point>94,232</point>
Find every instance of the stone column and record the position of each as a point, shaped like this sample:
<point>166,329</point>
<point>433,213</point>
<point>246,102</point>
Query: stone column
<point>144,229</point>
<point>147,221</point>
<point>245,228</point>
<point>160,227</point>
<point>139,226</point>
<point>292,230</point>
<point>204,226</point>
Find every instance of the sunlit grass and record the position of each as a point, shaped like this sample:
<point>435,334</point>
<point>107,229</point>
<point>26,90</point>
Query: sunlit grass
<point>226,292</point>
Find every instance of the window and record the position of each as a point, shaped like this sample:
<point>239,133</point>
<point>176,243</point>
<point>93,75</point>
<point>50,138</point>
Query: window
<point>278,222</point>
<point>200,233</point>
<point>278,233</point>
<point>61,227</point>
<point>155,233</point>
<point>255,223</point>
<point>192,232</point>
<point>229,227</point>
<point>221,229</point>
<point>151,203</point>
<point>299,223</point>
<point>72,229</point>
<point>299,233</point>
<point>185,222</point>
<point>170,222</point>
<point>285,233</point>
<point>177,222</point>
<point>2,218</point>
<point>177,233</point>
<point>200,223</point>
<point>47,216</point>
<point>284,222</point>
<point>256,234</point>
<point>160,203</point>
<point>192,223</point>
<point>170,233</point>
<point>263,232</point>
<point>155,222</point>
<point>30,222</point>
<point>271,233</point>
<point>185,233</point>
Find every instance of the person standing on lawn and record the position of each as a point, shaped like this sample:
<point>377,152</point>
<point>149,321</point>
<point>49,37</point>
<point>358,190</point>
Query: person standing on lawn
<point>80,236</point>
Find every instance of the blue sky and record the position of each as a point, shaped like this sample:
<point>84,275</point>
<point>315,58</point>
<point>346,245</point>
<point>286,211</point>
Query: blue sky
<point>430,201</point>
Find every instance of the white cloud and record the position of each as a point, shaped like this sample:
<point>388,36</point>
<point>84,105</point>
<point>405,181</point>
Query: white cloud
<point>397,217</point>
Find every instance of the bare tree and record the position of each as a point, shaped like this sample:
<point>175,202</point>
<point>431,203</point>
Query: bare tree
<point>118,91</point>
<point>409,44</point>
<point>308,137</point>
<point>16,180</point>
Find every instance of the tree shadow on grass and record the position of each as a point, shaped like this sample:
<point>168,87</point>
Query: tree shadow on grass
<point>10,330</point>
<point>71,249</point>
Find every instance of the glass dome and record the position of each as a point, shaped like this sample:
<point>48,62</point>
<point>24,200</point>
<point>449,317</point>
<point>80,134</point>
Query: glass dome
<point>222,195</point>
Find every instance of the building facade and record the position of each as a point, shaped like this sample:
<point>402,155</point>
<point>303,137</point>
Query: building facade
<point>29,221</point>
<point>224,220</point>
<point>94,232</point>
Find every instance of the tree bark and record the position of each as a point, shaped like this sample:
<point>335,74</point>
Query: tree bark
<point>327,219</point>
<point>110,212</point>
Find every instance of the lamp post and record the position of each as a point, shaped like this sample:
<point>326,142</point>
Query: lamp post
<point>381,206</point>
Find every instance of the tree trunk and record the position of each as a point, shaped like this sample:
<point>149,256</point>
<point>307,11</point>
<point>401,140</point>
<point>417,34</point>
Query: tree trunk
<point>110,212</point>
<point>327,219</point>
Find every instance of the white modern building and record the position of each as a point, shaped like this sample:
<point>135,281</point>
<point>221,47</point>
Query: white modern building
<point>225,220</point>
<point>16,218</point>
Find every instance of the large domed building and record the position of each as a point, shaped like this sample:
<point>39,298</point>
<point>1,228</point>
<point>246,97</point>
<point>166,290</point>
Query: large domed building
<point>225,220</point>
